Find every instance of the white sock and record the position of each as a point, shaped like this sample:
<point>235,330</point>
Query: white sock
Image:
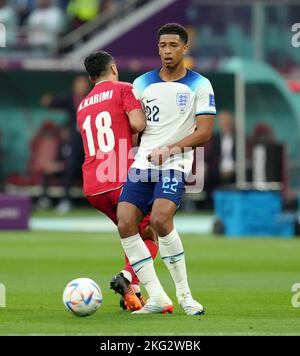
<point>127,275</point>
<point>171,251</point>
<point>142,264</point>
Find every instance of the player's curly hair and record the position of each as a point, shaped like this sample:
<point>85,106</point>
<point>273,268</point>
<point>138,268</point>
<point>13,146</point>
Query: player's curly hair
<point>174,29</point>
<point>97,64</point>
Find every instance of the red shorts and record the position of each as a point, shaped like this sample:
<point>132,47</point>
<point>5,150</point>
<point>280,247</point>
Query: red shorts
<point>107,203</point>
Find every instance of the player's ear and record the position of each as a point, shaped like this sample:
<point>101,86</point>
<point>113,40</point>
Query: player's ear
<point>185,49</point>
<point>114,69</point>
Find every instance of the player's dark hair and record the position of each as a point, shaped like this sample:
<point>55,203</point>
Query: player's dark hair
<point>97,64</point>
<point>174,29</point>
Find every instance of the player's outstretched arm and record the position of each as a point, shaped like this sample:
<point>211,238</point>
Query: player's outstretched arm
<point>137,120</point>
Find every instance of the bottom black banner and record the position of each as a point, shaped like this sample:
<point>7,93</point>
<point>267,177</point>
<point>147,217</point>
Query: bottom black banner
<point>131,345</point>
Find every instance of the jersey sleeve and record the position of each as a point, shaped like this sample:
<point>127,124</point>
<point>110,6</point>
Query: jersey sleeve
<point>205,99</point>
<point>129,101</point>
<point>136,89</point>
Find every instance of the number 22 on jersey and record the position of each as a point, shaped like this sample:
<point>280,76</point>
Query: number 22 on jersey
<point>105,135</point>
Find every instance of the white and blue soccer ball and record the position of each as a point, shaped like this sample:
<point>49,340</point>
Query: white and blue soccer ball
<point>82,296</point>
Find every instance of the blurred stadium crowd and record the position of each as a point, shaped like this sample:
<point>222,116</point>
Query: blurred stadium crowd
<point>38,24</point>
<point>216,31</point>
<point>226,31</point>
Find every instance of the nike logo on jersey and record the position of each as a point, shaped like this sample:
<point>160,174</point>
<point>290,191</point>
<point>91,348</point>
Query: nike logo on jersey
<point>149,101</point>
<point>136,271</point>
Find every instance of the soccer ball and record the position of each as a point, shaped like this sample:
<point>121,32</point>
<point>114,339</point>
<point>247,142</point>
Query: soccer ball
<point>82,296</point>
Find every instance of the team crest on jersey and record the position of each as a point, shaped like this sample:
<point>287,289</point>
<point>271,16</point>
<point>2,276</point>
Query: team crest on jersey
<point>182,100</point>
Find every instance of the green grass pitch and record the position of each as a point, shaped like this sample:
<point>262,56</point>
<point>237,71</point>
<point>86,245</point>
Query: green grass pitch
<point>245,286</point>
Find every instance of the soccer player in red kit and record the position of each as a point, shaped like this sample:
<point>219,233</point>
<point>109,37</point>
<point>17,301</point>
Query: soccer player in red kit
<point>107,118</point>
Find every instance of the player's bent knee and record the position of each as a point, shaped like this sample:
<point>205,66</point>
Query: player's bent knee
<point>161,223</point>
<point>123,229</point>
<point>127,228</point>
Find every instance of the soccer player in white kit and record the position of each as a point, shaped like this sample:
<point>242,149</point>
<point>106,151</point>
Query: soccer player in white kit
<point>180,109</point>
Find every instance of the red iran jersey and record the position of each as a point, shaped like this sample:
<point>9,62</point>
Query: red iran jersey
<point>106,133</point>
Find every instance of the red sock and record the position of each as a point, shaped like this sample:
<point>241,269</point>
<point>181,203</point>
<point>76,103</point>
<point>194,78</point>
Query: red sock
<point>153,248</point>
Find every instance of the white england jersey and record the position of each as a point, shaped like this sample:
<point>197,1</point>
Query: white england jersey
<point>171,109</point>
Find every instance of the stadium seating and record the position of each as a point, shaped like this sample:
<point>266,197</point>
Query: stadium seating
<point>21,114</point>
<point>43,149</point>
